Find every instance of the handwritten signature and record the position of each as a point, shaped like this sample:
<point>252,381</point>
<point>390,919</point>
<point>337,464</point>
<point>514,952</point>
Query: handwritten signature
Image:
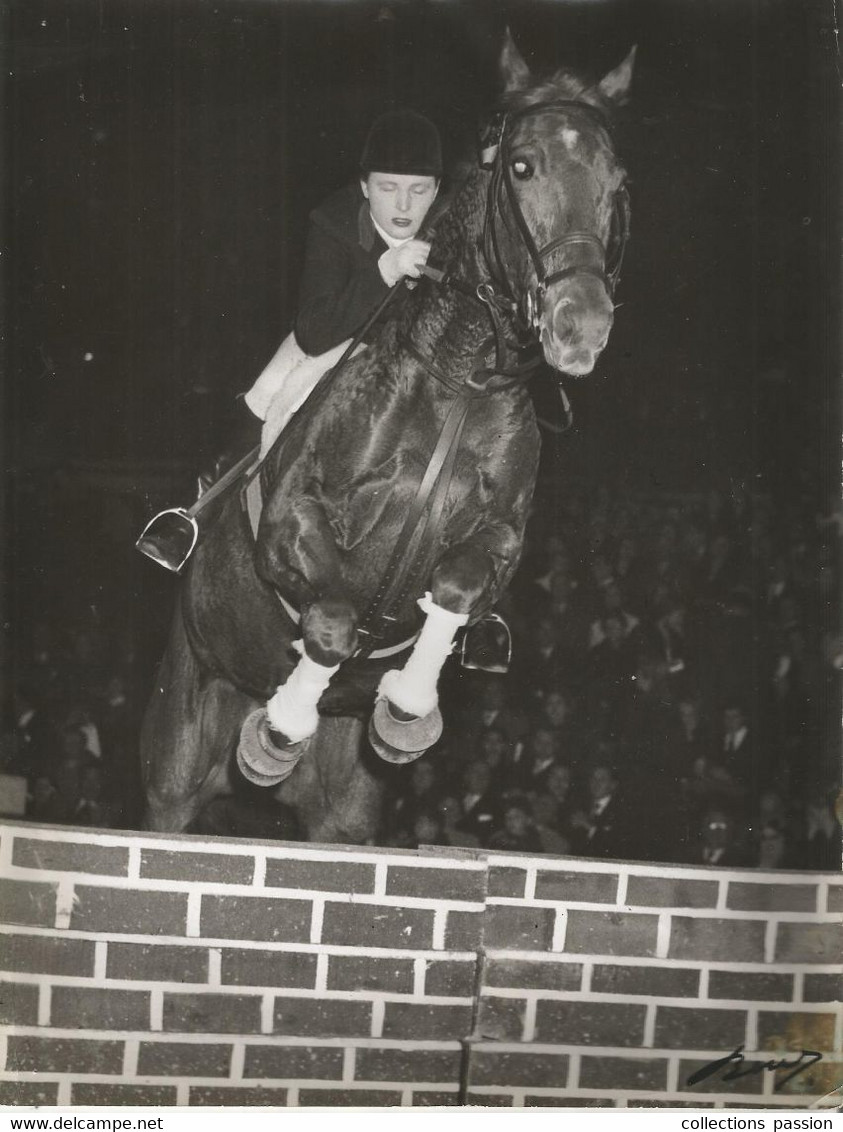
<point>807,1057</point>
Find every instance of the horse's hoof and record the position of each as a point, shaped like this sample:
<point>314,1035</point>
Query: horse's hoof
<point>259,759</point>
<point>402,741</point>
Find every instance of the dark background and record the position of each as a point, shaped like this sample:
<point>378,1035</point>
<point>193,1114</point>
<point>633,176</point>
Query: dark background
<point>161,160</point>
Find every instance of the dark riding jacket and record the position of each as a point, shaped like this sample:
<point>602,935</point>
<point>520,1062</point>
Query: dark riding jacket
<point>341,283</point>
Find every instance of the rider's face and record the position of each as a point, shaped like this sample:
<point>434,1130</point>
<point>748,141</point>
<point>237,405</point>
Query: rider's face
<point>399,201</point>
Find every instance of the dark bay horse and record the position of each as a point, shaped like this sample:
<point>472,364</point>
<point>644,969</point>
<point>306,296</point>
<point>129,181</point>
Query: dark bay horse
<point>395,502</point>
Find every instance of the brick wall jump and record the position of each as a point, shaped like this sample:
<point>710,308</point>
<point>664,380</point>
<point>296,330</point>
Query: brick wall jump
<point>148,970</point>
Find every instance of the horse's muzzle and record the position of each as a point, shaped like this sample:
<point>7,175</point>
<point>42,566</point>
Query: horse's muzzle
<point>575,326</point>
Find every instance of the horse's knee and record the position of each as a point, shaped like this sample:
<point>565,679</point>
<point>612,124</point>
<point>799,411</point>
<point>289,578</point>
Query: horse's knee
<point>461,577</point>
<point>329,629</point>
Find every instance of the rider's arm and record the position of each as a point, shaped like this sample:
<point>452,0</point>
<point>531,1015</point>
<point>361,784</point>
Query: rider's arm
<point>341,286</point>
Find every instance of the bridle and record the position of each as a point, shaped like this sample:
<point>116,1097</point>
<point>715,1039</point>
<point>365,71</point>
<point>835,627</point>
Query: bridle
<point>502,193</point>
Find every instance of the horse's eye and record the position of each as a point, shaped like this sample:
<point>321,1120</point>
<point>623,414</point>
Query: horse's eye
<point>522,169</point>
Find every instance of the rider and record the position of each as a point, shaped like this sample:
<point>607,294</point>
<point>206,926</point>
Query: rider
<point>362,241</point>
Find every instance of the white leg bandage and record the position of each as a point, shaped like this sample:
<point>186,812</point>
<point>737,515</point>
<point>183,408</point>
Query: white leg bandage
<point>292,710</point>
<point>413,688</point>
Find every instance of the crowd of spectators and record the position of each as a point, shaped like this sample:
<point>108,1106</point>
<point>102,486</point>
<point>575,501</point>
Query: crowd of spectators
<point>673,692</point>
<point>673,695</point>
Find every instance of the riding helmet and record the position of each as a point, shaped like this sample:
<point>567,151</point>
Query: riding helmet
<point>402,141</point>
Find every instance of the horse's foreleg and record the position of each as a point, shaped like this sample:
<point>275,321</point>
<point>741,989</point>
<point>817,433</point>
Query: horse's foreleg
<point>407,720</point>
<point>274,739</point>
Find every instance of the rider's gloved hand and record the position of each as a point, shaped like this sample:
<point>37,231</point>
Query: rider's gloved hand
<point>395,263</point>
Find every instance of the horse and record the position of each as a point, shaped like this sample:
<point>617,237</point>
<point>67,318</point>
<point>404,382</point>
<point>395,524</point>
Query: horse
<point>393,506</point>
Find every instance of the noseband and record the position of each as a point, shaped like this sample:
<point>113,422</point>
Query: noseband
<point>502,192</point>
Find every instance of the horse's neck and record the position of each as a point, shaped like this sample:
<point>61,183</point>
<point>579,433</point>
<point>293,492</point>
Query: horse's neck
<point>451,327</point>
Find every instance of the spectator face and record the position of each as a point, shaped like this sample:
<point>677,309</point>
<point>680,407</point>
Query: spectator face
<point>449,810</point>
<point>717,829</point>
<point>556,708</point>
<point>772,847</point>
<point>543,744</point>
<point>613,628</point>
<point>493,747</point>
<point>477,778</point>
<point>426,829</point>
<point>558,782</point>
<point>516,821</point>
<point>601,782</point>
<point>688,714</point>
<point>544,809</point>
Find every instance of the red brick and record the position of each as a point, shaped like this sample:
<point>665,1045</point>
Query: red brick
<point>519,929</point>
<point>589,888</point>
<point>323,1018</point>
<point>321,876</point>
<point>820,1079</point>
<point>679,1027</point>
<point>671,892</point>
<point>63,1055</point>
<point>611,933</point>
<point>489,1100</point>
<point>94,1008</point>
<point>823,988</point>
<point>274,919</point>
<point>259,968</point>
<point>423,1022</point>
<point>501,1019</point>
<point>715,939</point>
<point>434,1098</point>
<point>217,868</point>
<point>183,1059</point>
<point>809,943</point>
<point>786,1030</point>
<point>541,1070</point>
<point>18,1004</point>
<point>349,1098</point>
<point>47,955</point>
<point>558,1101</point>
<point>532,974</point>
<point>377,925</point>
<point>436,884</point>
<point>506,880</point>
<point>140,1096</point>
<point>753,986</point>
<point>28,902</point>
<point>411,1065</point>
<point>745,897</point>
<point>454,977</point>
<point>215,1096</point>
<point>464,931</point>
<point>101,909</point>
<point>590,1023</point>
<point>29,1093</point>
<point>208,1013</point>
<point>753,1083</point>
<point>157,962</point>
<point>667,982</point>
<point>623,1073</point>
<point>371,972</point>
<point>71,857</point>
<point>294,1063</point>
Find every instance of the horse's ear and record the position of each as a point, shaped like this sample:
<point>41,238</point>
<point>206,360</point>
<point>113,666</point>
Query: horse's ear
<point>515,72</point>
<point>615,85</point>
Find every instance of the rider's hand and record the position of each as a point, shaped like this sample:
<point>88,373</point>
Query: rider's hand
<point>395,263</point>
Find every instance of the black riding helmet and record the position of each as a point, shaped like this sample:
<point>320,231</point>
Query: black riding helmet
<point>402,141</point>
